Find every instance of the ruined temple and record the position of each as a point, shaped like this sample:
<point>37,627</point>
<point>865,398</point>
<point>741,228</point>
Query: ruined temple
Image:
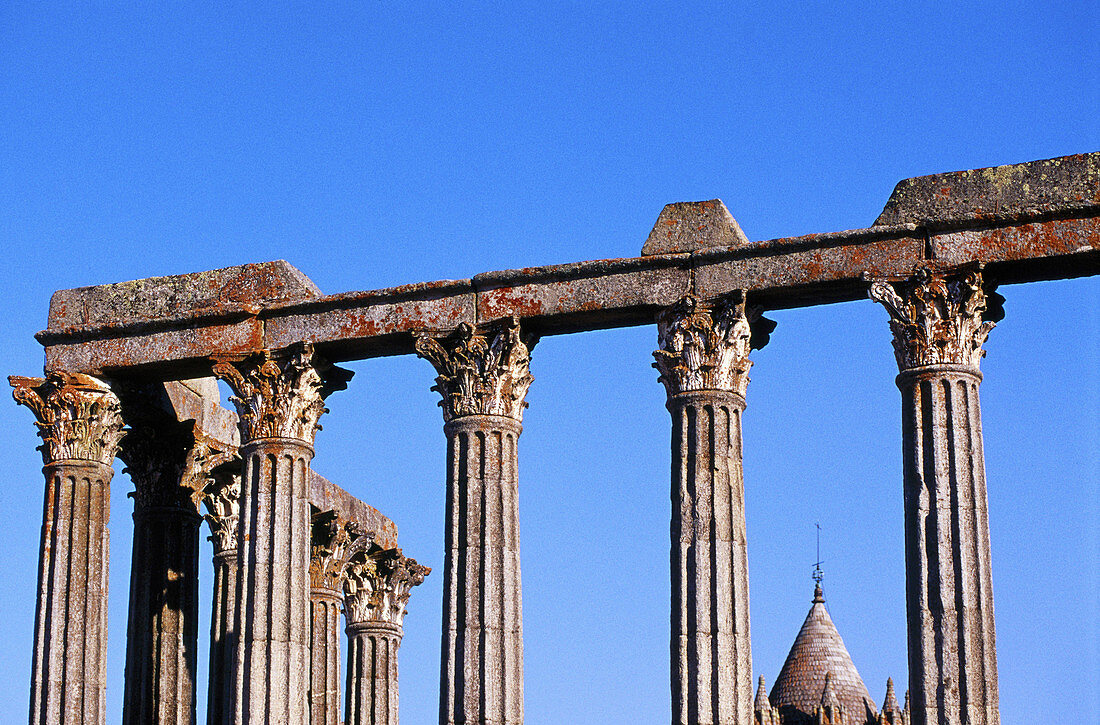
<point>130,369</point>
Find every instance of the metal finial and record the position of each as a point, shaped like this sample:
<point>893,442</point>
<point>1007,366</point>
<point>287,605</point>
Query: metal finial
<point>818,575</point>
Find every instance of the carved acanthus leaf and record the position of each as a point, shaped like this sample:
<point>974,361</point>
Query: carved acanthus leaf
<point>222,498</point>
<point>706,347</point>
<point>937,319</point>
<point>280,395</point>
<point>378,585</point>
<point>78,417</point>
<point>479,376</point>
<point>334,540</point>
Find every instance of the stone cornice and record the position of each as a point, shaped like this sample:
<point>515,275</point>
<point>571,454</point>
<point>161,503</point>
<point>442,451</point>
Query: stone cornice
<point>481,374</point>
<point>280,394</point>
<point>939,319</point>
<point>78,417</point>
<point>378,585</point>
<point>705,346</point>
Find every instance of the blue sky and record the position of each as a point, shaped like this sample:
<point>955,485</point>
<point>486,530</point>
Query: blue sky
<point>376,143</point>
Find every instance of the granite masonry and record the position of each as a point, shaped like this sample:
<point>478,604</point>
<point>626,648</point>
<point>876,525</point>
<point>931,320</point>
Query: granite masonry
<point>130,372</point>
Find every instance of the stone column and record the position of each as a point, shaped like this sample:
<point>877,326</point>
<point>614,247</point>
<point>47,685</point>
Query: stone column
<point>279,399</point>
<point>165,463</point>
<point>483,380</point>
<point>376,592</point>
<point>80,423</point>
<point>703,362</point>
<point>940,323</point>
<point>328,561</point>
<point>222,500</point>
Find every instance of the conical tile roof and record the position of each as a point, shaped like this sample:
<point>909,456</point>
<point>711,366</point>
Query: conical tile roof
<point>817,651</point>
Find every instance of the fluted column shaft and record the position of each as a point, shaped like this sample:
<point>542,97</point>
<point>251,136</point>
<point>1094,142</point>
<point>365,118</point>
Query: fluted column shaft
<point>483,378</point>
<point>271,615</point>
<point>79,420</point>
<point>223,646</point>
<point>703,361</point>
<point>68,675</point>
<point>483,602</point>
<point>940,323</point>
<point>324,669</point>
<point>948,581</point>
<point>162,633</point>
<point>372,696</point>
<point>712,661</point>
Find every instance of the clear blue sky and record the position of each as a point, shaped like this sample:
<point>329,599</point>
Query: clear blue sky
<point>376,143</point>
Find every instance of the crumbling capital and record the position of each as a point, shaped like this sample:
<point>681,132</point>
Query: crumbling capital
<point>79,418</point>
<point>481,374</point>
<point>378,585</point>
<point>280,394</point>
<point>221,495</point>
<point>334,539</point>
<point>705,346</point>
<point>939,319</point>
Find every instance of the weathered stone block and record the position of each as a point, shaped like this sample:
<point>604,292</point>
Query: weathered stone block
<point>156,298</point>
<point>690,225</point>
<point>1046,185</point>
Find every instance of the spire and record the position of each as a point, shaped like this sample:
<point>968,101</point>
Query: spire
<point>818,654</point>
<point>762,702</point>
<point>905,709</point>
<point>828,695</point>
<point>890,704</point>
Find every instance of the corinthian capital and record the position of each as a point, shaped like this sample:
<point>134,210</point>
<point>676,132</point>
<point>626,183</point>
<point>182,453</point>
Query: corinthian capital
<point>938,319</point>
<point>479,375</point>
<point>706,346</point>
<point>156,456</point>
<point>334,540</point>
<point>79,418</point>
<point>280,395</point>
<point>378,585</point>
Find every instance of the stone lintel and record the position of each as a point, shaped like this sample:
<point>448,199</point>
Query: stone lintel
<point>1035,239</point>
<point>687,226</point>
<point>325,495</point>
<point>198,399</point>
<point>1048,185</point>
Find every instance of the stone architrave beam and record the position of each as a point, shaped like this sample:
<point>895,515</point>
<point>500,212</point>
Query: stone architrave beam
<point>1025,222</point>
